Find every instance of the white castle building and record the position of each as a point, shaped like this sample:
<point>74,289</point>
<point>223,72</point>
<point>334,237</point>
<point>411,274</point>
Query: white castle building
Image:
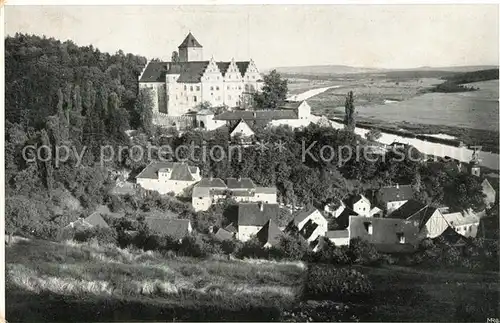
<point>178,87</point>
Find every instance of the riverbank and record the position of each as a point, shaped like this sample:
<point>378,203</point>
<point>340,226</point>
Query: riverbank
<point>434,147</point>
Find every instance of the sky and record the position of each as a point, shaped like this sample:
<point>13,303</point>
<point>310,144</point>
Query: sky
<point>379,36</point>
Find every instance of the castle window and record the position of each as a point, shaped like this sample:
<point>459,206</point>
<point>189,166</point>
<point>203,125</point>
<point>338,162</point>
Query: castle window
<point>217,88</point>
<point>229,76</point>
<point>228,87</point>
<point>197,88</point>
<point>191,88</point>
<point>194,98</point>
<point>239,87</point>
<point>211,88</point>
<point>185,87</point>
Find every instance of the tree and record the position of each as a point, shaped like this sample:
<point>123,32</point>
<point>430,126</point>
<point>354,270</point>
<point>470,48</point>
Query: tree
<point>143,108</point>
<point>273,93</point>
<point>175,57</point>
<point>350,117</point>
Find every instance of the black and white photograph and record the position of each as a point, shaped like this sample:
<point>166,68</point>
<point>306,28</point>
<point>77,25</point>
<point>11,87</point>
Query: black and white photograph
<point>226,162</point>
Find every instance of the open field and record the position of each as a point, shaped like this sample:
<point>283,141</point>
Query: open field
<point>369,91</point>
<point>476,110</point>
<point>410,294</point>
<point>67,281</point>
<point>64,282</point>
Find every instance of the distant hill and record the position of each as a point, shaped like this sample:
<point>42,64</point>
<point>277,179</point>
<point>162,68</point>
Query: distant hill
<point>325,69</point>
<point>344,69</point>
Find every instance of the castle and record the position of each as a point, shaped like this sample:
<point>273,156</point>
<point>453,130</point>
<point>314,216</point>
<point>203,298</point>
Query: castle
<point>179,87</point>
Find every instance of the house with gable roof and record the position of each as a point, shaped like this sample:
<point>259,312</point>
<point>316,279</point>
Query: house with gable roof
<point>166,177</point>
<point>390,198</point>
<point>95,220</point>
<point>209,191</point>
<point>269,235</point>
<point>310,223</point>
<point>359,204</point>
<point>430,220</point>
<point>253,216</point>
<point>465,223</point>
<point>291,113</point>
<point>175,228</point>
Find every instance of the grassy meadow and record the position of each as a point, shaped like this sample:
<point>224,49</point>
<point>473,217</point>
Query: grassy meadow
<point>65,282</point>
<point>62,282</point>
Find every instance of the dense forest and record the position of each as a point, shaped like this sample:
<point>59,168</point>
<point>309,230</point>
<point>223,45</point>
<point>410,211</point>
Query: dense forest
<point>60,94</point>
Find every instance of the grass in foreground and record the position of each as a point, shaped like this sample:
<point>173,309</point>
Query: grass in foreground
<point>49,281</point>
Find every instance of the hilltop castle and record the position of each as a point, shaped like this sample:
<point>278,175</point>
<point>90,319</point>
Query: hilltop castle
<point>178,87</point>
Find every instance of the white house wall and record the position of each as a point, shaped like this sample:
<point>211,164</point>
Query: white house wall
<point>245,232</point>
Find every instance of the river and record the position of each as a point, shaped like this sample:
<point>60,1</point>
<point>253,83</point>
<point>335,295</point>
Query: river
<point>308,94</point>
<point>463,154</point>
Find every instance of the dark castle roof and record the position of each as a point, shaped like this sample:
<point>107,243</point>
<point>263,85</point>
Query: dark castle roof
<point>190,41</point>
<point>189,72</point>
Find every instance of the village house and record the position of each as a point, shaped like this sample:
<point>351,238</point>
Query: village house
<point>205,120</point>
<point>310,223</point>
<point>174,228</point>
<point>390,198</point>
<point>430,220</point>
<point>179,87</point>
<point>242,132</point>
<point>334,208</point>
<point>338,237</point>
<point>465,223</point>
<point>386,234</point>
<point>166,177</point>
<point>209,191</point>
<point>95,220</point>
<point>253,216</point>
<point>269,235</point>
<point>293,114</point>
<point>359,204</point>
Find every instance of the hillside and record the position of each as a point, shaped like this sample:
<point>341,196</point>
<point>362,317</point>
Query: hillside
<point>344,69</point>
<point>68,281</point>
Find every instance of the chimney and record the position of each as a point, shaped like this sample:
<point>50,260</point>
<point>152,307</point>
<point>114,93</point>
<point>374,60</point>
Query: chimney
<point>261,206</point>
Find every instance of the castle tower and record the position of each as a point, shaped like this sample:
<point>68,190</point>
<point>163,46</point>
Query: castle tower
<point>190,50</point>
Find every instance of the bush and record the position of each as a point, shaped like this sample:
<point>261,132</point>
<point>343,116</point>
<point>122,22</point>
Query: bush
<point>291,246</point>
<point>341,284</point>
<point>362,252</point>
<point>251,249</point>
